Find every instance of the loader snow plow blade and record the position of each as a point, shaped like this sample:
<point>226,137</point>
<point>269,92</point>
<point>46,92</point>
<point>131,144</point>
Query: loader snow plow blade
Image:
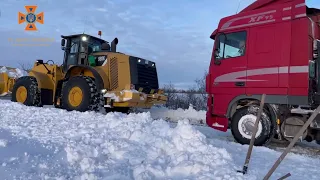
<point>8,76</point>
<point>132,98</point>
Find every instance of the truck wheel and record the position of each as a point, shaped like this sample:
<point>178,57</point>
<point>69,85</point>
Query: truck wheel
<point>80,94</point>
<point>242,125</point>
<point>26,91</point>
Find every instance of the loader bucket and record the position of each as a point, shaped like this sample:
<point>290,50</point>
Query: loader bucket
<point>8,77</point>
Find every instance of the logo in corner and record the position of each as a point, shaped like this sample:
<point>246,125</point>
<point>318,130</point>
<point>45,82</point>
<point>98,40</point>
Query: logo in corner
<point>31,18</point>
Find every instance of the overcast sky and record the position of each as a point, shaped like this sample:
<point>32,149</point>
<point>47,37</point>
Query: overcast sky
<point>173,33</point>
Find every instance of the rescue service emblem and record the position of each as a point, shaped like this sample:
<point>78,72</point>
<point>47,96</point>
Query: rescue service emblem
<point>30,18</point>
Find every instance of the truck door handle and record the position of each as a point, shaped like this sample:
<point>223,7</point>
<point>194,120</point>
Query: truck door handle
<point>239,83</point>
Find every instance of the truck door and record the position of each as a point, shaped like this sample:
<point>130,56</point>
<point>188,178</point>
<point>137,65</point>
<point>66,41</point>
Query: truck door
<point>267,58</point>
<point>230,62</point>
<point>228,69</point>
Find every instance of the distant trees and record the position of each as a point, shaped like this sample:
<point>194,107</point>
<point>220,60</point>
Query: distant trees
<point>195,96</point>
<point>25,67</point>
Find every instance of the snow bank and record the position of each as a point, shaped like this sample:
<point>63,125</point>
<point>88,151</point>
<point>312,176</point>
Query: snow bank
<point>48,143</point>
<point>74,145</point>
<point>13,73</point>
<point>195,117</point>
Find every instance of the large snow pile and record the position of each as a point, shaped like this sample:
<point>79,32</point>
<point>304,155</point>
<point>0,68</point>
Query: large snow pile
<point>194,117</point>
<point>113,146</point>
<point>48,143</point>
<point>16,73</point>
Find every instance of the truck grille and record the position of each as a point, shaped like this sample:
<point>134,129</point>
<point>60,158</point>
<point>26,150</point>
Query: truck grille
<point>143,74</point>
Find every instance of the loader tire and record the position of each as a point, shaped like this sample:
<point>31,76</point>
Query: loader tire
<point>80,93</point>
<point>26,91</point>
<point>242,125</point>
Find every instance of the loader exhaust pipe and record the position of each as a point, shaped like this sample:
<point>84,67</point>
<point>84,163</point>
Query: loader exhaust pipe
<point>114,45</point>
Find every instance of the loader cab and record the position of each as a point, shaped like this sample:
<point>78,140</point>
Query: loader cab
<point>78,47</point>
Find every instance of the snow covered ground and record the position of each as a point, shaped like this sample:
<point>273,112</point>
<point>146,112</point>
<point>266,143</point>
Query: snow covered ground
<point>48,143</point>
<point>194,117</point>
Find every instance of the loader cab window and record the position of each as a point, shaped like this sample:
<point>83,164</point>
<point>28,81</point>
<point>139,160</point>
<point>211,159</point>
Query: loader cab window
<point>72,57</point>
<point>79,45</point>
<point>230,45</point>
<point>94,45</point>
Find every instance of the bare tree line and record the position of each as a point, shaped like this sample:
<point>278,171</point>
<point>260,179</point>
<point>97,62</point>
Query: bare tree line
<point>25,67</point>
<point>194,96</point>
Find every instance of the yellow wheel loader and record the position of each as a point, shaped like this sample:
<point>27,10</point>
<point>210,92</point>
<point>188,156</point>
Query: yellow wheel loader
<point>93,75</point>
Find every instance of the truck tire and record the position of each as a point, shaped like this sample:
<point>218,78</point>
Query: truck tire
<point>80,93</point>
<point>242,125</point>
<point>26,91</point>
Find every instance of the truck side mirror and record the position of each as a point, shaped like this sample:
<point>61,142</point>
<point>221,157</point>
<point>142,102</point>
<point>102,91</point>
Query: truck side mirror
<point>217,60</point>
<point>216,53</point>
<point>312,69</point>
<point>63,42</point>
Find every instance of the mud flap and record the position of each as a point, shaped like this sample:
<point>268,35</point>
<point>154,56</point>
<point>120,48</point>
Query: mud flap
<point>217,122</point>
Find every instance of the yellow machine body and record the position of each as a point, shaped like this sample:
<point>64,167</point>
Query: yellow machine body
<point>6,81</point>
<point>117,80</point>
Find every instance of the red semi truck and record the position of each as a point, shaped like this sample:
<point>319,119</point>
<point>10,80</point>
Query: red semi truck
<point>271,47</point>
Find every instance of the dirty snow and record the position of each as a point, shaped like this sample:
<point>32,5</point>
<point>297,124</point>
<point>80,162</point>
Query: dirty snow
<point>48,143</point>
<point>11,73</point>
<point>4,94</point>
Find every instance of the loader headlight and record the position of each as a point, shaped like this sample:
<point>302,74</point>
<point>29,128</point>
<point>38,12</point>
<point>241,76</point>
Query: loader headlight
<point>84,38</point>
<point>103,91</point>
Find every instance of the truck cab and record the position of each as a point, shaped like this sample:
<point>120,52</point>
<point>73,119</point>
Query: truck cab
<point>271,47</point>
